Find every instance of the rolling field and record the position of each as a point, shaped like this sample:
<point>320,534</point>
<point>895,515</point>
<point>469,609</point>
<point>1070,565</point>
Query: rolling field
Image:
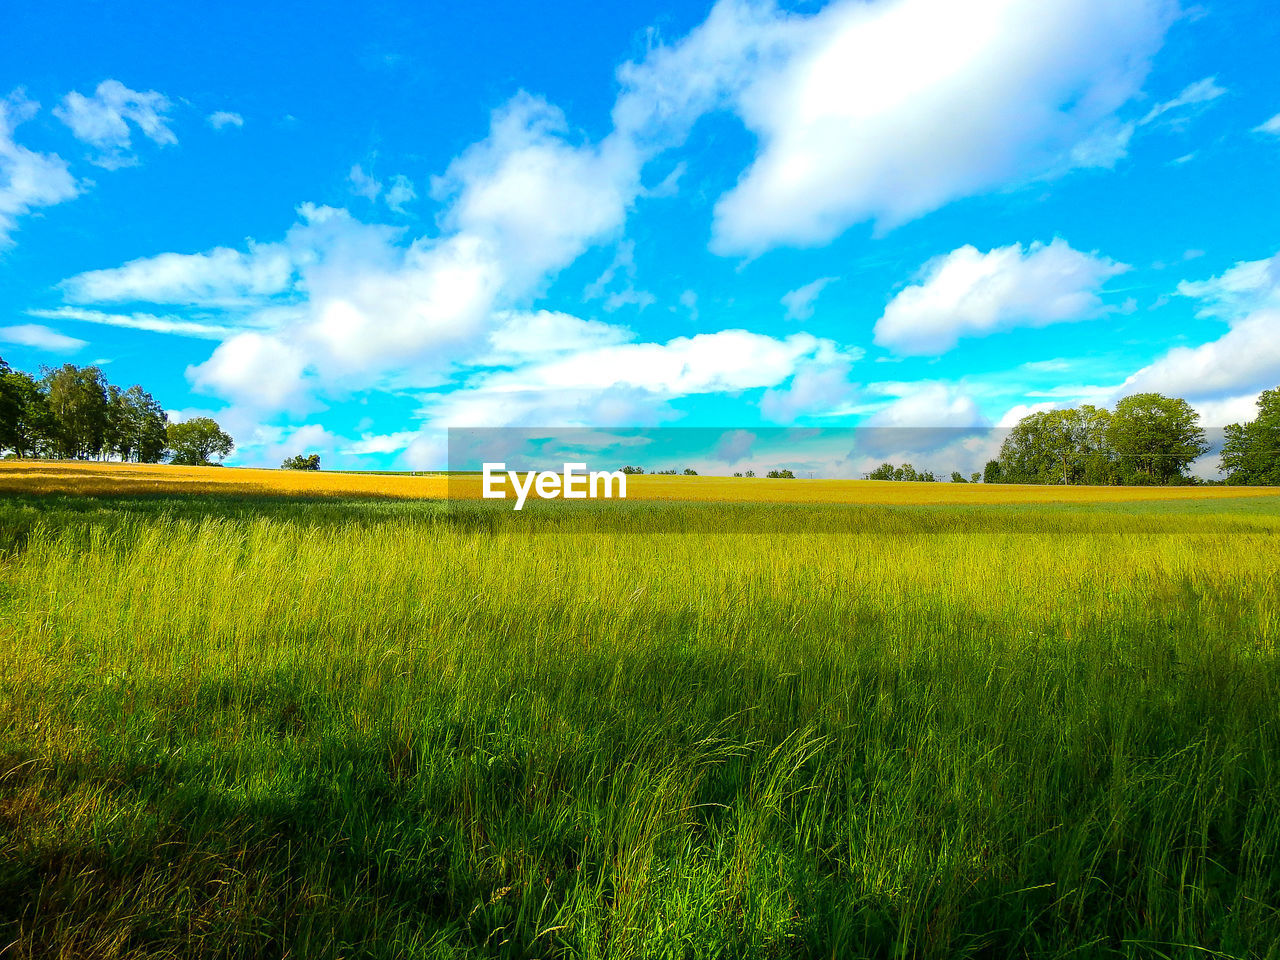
<point>242,719</point>
<point>132,478</point>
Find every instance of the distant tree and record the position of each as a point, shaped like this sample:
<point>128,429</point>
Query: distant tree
<point>780,475</point>
<point>632,470</point>
<point>1251,454</point>
<point>882,472</point>
<point>690,473</point>
<point>992,473</point>
<point>78,411</point>
<point>300,462</point>
<point>749,473</point>
<point>24,413</point>
<point>958,477</point>
<point>137,427</point>
<point>1155,437</point>
<point>194,443</point>
<point>975,477</point>
<point>1058,446</point>
<point>738,474</point>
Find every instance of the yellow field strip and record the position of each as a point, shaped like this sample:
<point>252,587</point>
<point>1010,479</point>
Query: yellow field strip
<point>128,478</point>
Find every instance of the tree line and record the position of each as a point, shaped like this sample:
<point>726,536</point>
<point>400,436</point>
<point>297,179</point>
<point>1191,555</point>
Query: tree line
<point>74,413</point>
<point>1147,439</point>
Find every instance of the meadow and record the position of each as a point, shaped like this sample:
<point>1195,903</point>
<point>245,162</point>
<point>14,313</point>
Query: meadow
<point>336,716</point>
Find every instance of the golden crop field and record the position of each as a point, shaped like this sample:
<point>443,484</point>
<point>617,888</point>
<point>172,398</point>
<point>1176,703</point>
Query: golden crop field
<point>129,478</point>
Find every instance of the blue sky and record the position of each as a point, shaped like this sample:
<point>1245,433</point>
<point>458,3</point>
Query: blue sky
<point>344,232</point>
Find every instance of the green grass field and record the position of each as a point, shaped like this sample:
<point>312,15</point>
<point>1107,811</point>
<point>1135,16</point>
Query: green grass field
<point>280,727</point>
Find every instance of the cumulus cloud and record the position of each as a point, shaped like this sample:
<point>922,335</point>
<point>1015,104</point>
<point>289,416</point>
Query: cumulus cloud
<point>28,180</point>
<point>799,302</point>
<point>220,119</point>
<point>40,338</point>
<point>968,293</point>
<point>254,369</point>
<point>888,110</point>
<point>628,382</point>
<point>104,120</point>
<point>533,195</point>
<point>339,304</point>
<point>819,386</point>
<point>1245,359</point>
<point>221,277</point>
<point>522,336</point>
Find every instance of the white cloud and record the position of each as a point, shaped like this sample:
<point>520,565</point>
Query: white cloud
<point>818,387</point>
<point>381,443</point>
<point>1245,359</point>
<point>968,293</point>
<point>28,180</point>
<point>254,369</point>
<point>1271,126</point>
<point>103,120</point>
<point>628,382</point>
<point>523,336</point>
<point>40,337</point>
<point>221,277</point>
<point>363,185</point>
<point>1202,91</point>
<point>400,192</point>
<point>341,305</point>
<point>176,326</point>
<point>395,196</point>
<point>533,196</point>
<point>220,119</point>
<point>930,405</point>
<point>1247,286</point>
<point>886,111</point>
<point>799,302</point>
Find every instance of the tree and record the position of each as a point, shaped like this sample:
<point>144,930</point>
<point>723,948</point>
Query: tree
<point>1251,454</point>
<point>77,399</point>
<point>193,443</point>
<point>882,472</point>
<point>1155,437</point>
<point>300,462</point>
<point>24,414</point>
<point>137,427</point>
<point>749,473</point>
<point>1057,446</point>
<point>992,473</point>
<point>631,470</point>
<point>958,477</point>
<point>780,475</point>
<point>690,472</point>
<point>975,477</point>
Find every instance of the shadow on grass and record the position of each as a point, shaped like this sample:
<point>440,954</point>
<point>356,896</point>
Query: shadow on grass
<point>685,817</point>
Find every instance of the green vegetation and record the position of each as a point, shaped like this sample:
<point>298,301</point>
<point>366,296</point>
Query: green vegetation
<point>906,472</point>
<point>1147,439</point>
<point>278,727</point>
<point>301,462</point>
<point>73,413</point>
<point>1251,454</point>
